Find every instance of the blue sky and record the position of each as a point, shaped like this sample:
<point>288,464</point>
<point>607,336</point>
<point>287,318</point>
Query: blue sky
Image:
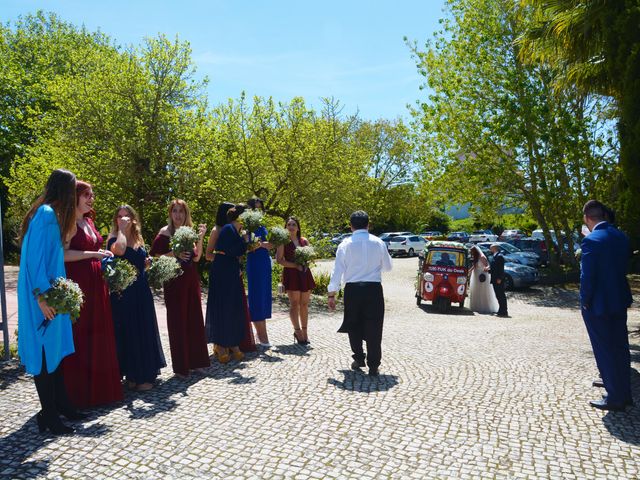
<point>351,50</point>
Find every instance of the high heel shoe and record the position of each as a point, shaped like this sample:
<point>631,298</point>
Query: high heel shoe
<point>295,337</point>
<point>54,425</point>
<point>237,355</point>
<point>306,339</point>
<point>222,354</point>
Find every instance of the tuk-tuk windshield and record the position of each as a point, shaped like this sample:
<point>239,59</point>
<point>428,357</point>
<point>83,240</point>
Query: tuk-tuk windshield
<point>447,258</point>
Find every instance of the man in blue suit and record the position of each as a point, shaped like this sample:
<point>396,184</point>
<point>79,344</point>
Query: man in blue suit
<point>604,297</point>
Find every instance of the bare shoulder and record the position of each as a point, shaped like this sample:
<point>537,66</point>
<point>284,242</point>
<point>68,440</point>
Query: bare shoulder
<point>165,231</point>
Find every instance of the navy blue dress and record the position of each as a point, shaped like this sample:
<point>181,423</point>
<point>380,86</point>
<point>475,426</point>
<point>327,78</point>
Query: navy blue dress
<point>226,316</point>
<point>259,280</point>
<point>136,326</point>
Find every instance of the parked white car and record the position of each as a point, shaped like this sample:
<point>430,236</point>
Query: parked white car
<point>409,245</point>
<point>483,236</point>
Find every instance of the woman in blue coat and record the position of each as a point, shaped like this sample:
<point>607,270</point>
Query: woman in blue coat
<point>49,222</point>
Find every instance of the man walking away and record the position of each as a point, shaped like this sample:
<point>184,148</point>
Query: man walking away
<point>360,261</point>
<point>497,279</point>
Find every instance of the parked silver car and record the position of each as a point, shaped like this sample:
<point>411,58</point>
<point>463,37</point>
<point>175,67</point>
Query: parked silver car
<point>514,254</point>
<point>483,236</point>
<point>409,245</point>
<point>519,276</point>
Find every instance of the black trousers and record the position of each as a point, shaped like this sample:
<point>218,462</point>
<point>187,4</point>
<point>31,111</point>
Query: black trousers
<point>363,320</point>
<point>502,298</point>
<point>51,390</point>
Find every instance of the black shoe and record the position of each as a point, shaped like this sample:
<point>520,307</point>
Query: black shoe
<point>598,383</point>
<point>503,315</point>
<point>357,365</point>
<point>53,424</point>
<point>74,415</point>
<point>373,371</point>
<point>605,405</point>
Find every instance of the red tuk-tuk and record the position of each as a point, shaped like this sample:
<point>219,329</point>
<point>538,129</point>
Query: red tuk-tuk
<point>443,275</point>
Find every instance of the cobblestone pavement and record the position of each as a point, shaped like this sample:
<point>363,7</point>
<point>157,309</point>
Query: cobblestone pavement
<point>459,396</point>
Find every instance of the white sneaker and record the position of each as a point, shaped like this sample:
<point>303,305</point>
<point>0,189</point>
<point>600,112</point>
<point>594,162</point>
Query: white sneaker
<point>266,345</point>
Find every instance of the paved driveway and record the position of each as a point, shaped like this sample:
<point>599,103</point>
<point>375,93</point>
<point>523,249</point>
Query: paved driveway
<point>459,396</point>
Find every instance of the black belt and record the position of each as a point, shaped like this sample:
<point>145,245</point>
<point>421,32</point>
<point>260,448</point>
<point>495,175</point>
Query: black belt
<point>363,284</point>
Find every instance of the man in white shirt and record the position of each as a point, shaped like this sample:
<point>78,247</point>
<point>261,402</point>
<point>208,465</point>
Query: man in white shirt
<point>360,261</point>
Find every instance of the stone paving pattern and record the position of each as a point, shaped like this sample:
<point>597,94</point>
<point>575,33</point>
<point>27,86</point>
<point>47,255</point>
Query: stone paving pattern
<point>459,396</point>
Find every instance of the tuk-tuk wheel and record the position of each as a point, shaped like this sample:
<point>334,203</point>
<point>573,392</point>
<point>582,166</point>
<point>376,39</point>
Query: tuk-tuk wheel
<point>461,304</point>
<point>418,300</point>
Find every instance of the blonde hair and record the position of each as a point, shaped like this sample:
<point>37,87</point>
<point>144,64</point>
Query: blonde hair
<point>136,225</point>
<point>188,222</point>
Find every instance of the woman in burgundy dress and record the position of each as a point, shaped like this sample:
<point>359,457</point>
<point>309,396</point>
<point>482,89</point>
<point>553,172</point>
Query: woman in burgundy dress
<point>92,373</point>
<point>297,280</point>
<point>182,296</point>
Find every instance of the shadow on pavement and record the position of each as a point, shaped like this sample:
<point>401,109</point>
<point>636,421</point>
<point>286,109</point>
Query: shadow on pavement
<point>454,310</point>
<point>625,426</point>
<point>361,382</point>
<point>231,371</point>
<point>25,441</point>
<point>10,372</point>
<point>297,350</point>
<point>558,296</point>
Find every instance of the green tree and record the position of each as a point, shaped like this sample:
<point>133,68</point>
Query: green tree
<point>595,46</point>
<point>495,132</point>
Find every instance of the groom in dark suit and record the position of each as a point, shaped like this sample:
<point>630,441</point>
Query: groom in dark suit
<point>604,297</point>
<point>497,280</point>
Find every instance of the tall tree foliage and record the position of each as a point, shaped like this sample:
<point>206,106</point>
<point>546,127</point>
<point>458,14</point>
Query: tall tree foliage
<point>494,130</point>
<point>595,46</point>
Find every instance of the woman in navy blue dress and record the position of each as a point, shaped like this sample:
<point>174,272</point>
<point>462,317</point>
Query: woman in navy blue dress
<point>259,280</point>
<point>226,314</point>
<point>134,315</point>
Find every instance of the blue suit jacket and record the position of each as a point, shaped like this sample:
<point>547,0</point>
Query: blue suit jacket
<point>604,288</point>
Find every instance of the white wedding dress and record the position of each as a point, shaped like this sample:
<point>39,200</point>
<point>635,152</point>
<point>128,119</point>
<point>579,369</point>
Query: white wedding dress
<point>482,297</point>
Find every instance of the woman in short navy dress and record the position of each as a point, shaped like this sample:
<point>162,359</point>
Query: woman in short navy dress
<point>134,315</point>
<point>259,280</point>
<point>226,313</point>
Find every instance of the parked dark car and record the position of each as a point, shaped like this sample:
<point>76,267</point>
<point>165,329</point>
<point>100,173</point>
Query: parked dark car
<point>462,237</point>
<point>516,275</point>
<point>514,254</point>
<point>530,244</point>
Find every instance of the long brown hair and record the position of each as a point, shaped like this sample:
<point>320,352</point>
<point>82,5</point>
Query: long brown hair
<point>188,222</point>
<point>136,225</point>
<point>295,219</point>
<point>81,187</point>
<point>60,194</point>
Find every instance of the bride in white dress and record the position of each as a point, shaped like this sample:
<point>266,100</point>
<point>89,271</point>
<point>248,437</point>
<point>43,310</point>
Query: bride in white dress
<point>482,297</point>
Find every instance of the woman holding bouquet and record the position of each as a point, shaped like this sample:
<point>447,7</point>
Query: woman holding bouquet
<point>297,280</point>
<point>182,296</point>
<point>259,280</point>
<point>134,315</point>
<point>248,343</point>
<point>226,307</point>
<point>91,373</point>
<point>46,227</point>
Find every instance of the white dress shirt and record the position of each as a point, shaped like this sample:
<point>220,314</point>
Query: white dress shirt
<point>360,258</point>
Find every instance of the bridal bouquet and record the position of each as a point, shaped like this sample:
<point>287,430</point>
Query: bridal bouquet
<point>251,219</point>
<point>304,255</point>
<point>118,273</point>
<point>162,270</point>
<point>278,236</point>
<point>183,240</point>
<point>64,296</point>
<point>254,242</point>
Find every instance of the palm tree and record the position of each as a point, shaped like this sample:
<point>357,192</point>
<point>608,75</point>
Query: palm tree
<point>595,46</point>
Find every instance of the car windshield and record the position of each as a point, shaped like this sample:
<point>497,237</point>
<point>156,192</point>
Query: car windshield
<point>478,232</point>
<point>398,239</point>
<point>510,248</point>
<point>449,258</point>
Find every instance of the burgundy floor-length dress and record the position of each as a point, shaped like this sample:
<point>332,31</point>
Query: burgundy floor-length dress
<point>185,322</point>
<point>92,373</point>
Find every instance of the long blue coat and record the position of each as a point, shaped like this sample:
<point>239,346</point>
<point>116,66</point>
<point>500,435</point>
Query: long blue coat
<point>41,262</point>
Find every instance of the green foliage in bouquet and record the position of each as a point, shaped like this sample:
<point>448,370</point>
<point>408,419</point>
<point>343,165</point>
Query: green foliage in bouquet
<point>119,274</point>
<point>65,296</point>
<point>278,236</point>
<point>183,240</point>
<point>162,270</point>
<point>252,219</point>
<point>305,255</point>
